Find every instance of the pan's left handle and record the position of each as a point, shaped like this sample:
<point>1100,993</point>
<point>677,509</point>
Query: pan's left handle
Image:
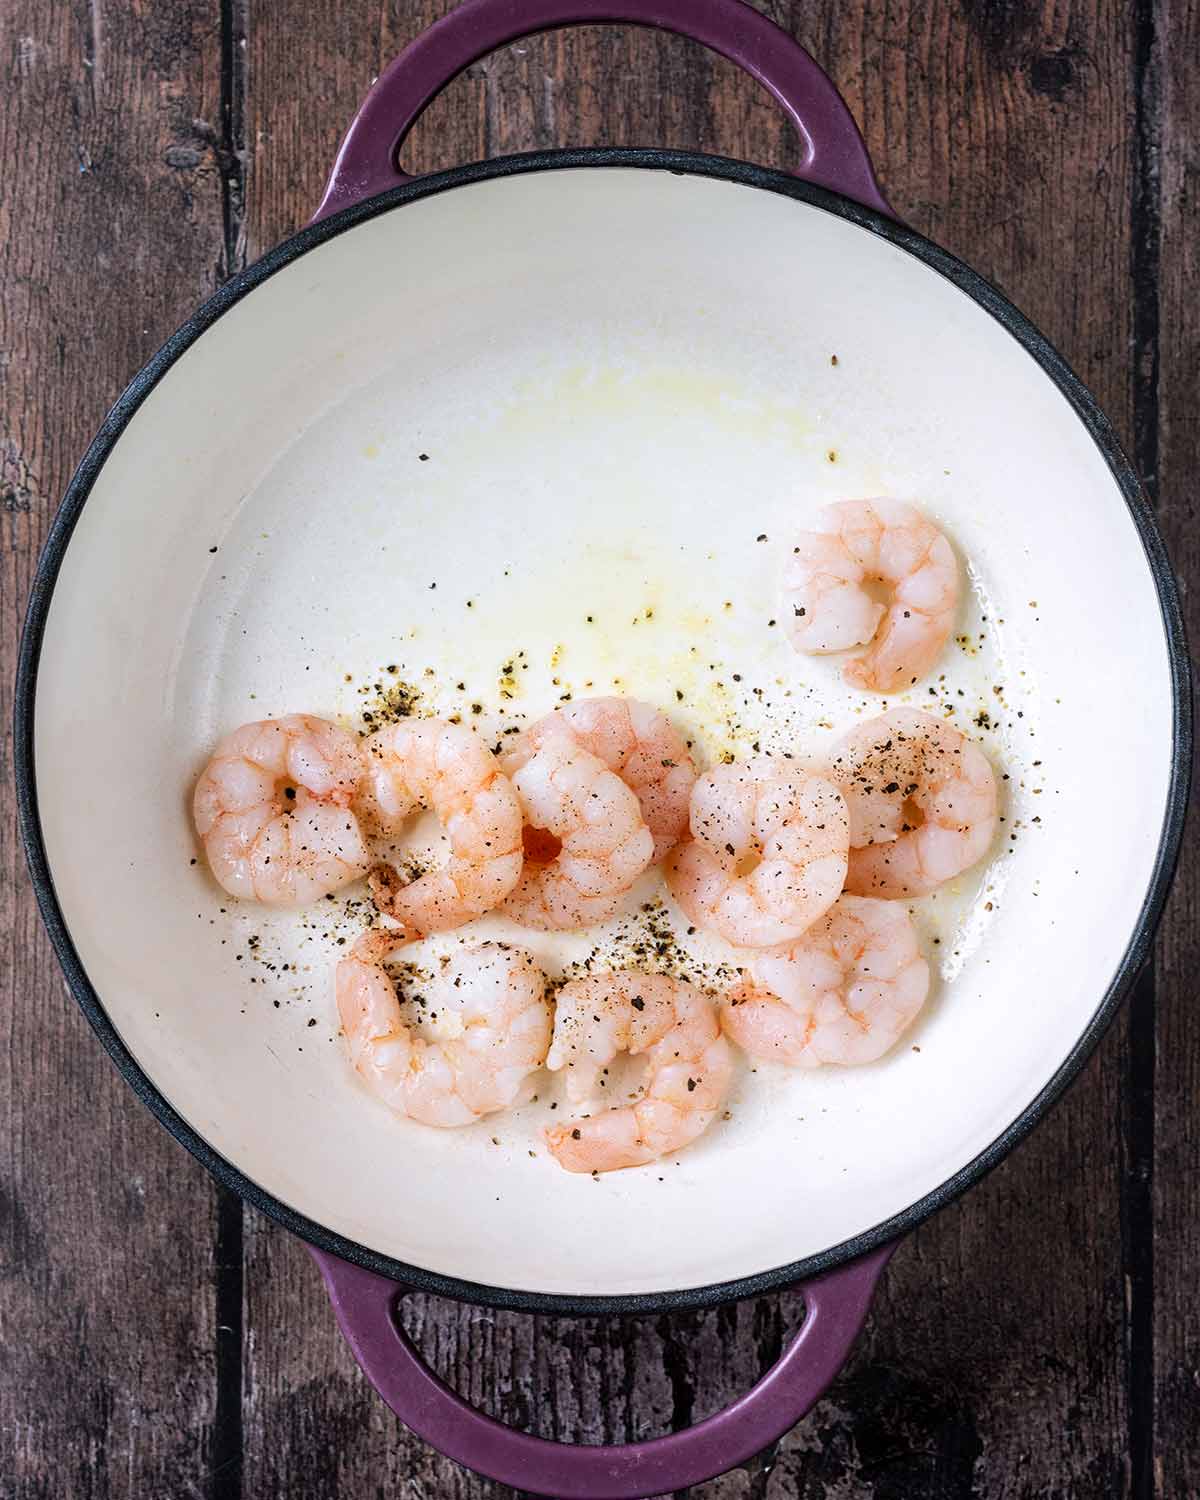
<point>834,155</point>
<point>836,1306</point>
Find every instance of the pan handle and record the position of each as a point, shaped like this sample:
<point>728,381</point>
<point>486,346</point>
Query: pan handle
<point>367,160</point>
<point>835,1309</point>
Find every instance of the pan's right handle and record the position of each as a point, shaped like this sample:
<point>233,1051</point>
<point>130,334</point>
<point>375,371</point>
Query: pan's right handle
<point>834,154</point>
<point>835,1308</point>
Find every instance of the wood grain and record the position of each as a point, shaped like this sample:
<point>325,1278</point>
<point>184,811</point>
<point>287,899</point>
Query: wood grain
<point>1175,128</point>
<point>1040,1338</point>
<point>110,229</point>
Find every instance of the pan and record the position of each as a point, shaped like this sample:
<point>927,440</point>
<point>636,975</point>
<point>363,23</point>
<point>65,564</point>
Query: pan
<point>538,427</point>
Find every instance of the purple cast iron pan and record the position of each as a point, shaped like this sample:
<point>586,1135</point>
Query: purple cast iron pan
<point>836,177</point>
<point>365,1303</point>
<point>836,1304</point>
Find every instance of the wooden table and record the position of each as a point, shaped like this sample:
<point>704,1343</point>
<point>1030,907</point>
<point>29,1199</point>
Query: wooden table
<point>1041,1337</point>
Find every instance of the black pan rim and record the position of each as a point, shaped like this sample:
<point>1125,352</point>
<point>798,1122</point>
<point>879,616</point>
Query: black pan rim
<point>686,164</point>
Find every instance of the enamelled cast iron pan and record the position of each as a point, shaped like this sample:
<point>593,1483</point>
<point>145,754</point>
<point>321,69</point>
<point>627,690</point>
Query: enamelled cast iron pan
<point>618,364</point>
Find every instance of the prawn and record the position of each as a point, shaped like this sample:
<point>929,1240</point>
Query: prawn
<point>923,803</point>
<point>827,606</point>
<point>842,993</point>
<point>489,1005</point>
<point>636,741</point>
<point>689,1066</point>
<point>433,763</point>
<point>273,811</point>
<point>767,855</point>
<point>585,840</point>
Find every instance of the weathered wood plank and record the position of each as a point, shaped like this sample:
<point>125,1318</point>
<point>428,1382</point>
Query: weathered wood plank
<point>1176,1331</point>
<point>110,231</point>
<point>995,1363</point>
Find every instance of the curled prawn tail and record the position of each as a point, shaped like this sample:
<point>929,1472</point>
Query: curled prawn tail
<point>385,885</point>
<point>604,1143</point>
<point>755,1020</point>
<point>377,942</point>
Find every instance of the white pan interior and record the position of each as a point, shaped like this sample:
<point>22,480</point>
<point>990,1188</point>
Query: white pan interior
<point>621,380</point>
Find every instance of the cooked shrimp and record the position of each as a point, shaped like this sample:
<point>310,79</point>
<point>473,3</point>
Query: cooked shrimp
<point>688,1067</point>
<point>923,803</point>
<point>487,1002</point>
<point>637,742</point>
<point>842,993</point>
<point>273,811</point>
<point>447,767</point>
<point>767,854</point>
<point>827,605</point>
<point>585,840</point>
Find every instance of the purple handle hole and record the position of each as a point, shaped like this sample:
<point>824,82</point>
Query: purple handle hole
<point>751,1338</point>
<point>836,1306</point>
<point>783,142</point>
<point>367,161</point>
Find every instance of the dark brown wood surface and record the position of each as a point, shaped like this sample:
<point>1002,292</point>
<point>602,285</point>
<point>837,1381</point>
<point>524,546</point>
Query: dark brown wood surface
<point>1039,1338</point>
